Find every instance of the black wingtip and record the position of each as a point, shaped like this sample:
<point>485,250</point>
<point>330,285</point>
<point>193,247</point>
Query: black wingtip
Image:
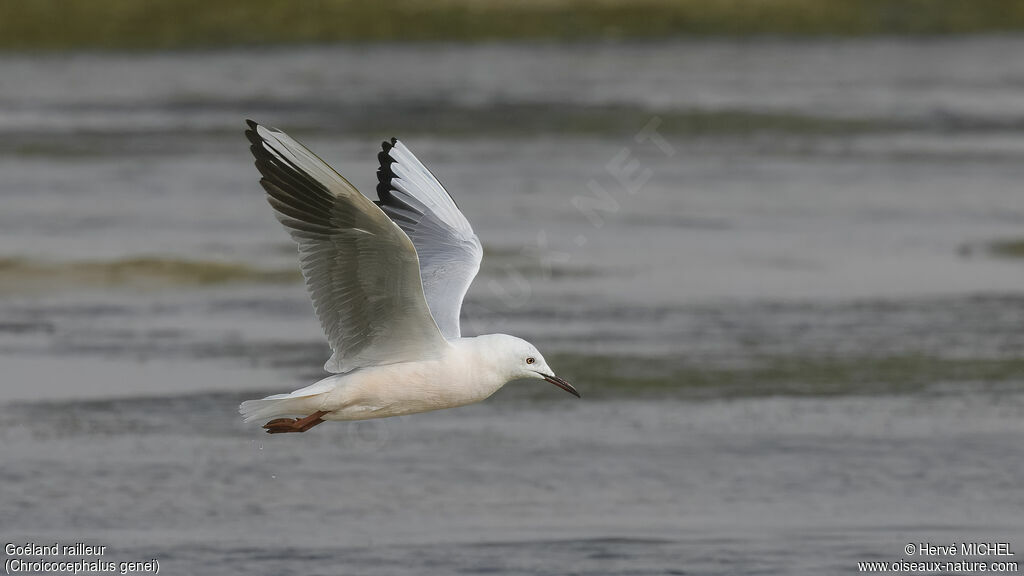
<point>252,134</point>
<point>384,174</point>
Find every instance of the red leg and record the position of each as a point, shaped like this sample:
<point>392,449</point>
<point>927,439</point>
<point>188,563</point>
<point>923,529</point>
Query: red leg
<point>283,425</point>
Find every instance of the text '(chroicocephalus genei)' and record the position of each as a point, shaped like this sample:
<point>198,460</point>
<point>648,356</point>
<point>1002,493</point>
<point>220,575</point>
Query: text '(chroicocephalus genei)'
<point>387,279</point>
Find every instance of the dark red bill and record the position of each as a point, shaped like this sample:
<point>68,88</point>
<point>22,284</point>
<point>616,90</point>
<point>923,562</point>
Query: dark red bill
<point>561,384</point>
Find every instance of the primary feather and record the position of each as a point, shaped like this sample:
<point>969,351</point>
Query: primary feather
<point>361,270</point>
<point>449,250</point>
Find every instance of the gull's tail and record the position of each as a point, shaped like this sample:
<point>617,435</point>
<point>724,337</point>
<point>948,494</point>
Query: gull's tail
<point>301,402</point>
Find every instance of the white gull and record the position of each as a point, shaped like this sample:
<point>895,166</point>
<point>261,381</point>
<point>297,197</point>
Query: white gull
<point>387,280</point>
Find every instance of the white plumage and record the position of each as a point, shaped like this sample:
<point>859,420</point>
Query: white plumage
<point>387,280</point>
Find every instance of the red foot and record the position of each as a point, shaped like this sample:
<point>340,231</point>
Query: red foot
<point>284,425</point>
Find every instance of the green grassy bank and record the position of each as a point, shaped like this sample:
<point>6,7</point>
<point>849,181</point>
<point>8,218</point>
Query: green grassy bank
<point>163,24</point>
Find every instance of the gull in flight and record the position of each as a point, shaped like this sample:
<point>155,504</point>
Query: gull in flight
<point>387,279</point>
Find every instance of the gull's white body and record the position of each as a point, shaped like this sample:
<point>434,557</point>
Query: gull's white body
<point>469,371</point>
<point>387,280</point>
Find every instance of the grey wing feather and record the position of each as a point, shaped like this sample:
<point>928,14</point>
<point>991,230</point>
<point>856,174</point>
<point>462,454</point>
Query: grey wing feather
<point>361,270</point>
<point>449,250</point>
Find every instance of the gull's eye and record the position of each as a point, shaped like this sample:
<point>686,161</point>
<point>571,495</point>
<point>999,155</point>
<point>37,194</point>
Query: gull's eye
<point>531,360</point>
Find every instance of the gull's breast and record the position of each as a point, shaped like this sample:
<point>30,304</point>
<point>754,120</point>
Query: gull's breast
<point>406,388</point>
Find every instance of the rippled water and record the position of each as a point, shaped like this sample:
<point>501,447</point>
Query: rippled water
<point>796,345</point>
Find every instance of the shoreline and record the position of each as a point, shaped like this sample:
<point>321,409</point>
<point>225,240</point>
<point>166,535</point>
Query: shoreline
<point>127,25</point>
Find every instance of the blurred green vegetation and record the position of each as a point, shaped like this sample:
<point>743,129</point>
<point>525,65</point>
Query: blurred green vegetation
<point>18,275</point>
<point>1009,248</point>
<point>824,375</point>
<point>166,24</point>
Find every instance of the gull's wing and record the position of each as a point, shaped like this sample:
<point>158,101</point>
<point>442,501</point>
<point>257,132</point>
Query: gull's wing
<point>449,250</point>
<point>360,268</point>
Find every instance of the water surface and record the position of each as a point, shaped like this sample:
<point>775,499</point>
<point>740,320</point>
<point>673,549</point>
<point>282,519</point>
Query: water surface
<point>798,340</point>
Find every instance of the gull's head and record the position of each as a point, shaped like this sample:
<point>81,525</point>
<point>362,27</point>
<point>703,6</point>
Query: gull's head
<point>518,360</point>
